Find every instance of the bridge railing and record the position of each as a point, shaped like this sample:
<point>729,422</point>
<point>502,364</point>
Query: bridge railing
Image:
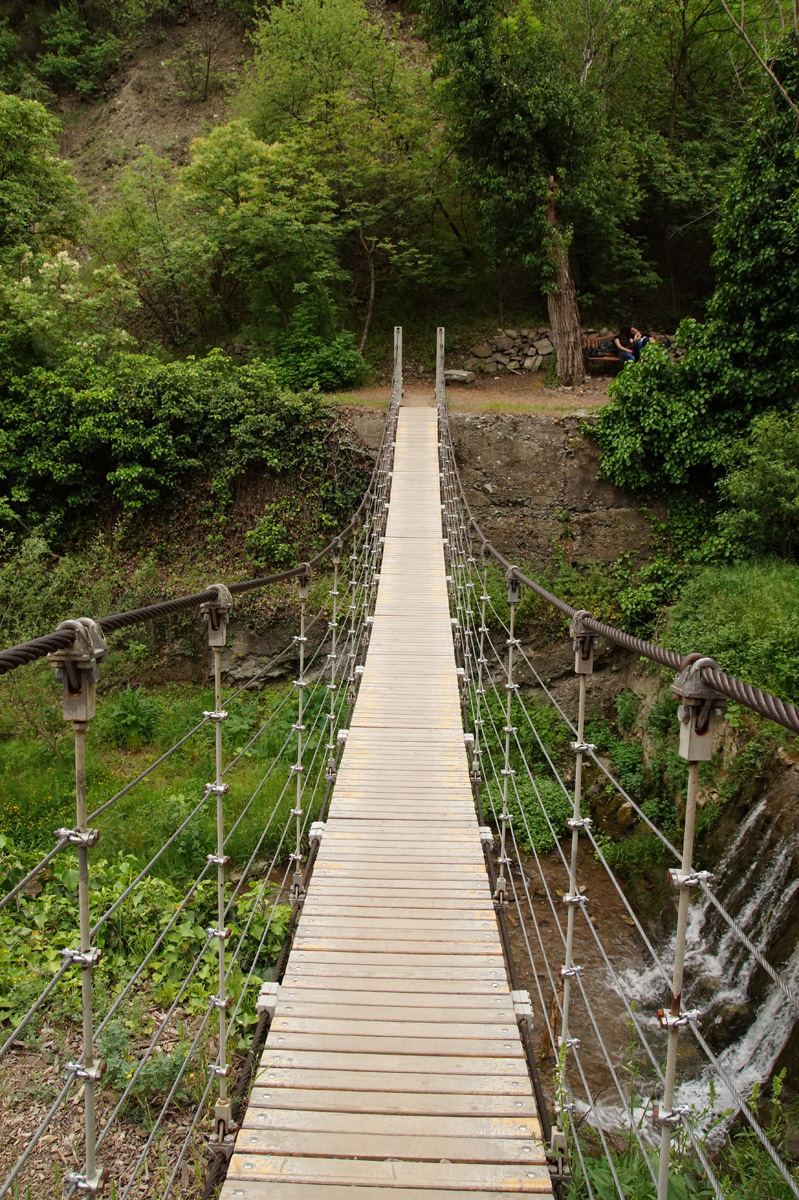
<point>584,1007</point>
<point>206,1005</point>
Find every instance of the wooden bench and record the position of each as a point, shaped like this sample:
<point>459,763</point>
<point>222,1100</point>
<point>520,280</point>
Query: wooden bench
<point>608,360</point>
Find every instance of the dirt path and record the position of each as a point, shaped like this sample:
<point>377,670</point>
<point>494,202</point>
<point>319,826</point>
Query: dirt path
<point>505,393</point>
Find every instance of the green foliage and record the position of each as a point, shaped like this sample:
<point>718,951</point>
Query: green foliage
<point>761,491</point>
<point>32,932</point>
<point>666,421</point>
<point>38,196</point>
<point>539,807</point>
<point>305,359</point>
<point>133,429</point>
<point>132,719</point>
<point>747,617</point>
<point>73,55</point>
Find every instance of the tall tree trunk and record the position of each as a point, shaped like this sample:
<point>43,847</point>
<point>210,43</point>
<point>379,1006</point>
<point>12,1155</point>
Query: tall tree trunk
<point>564,315</point>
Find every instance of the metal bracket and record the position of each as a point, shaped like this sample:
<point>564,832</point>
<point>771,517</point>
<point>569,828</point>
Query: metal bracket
<point>667,1020</point>
<point>215,613</point>
<point>583,642</point>
<point>218,933</point>
<point>77,837</point>
<point>217,789</point>
<point>577,898</point>
<point>582,747</point>
<point>85,959</point>
<point>216,716</point>
<point>82,1183</point>
<point>671,1118</point>
<point>570,972</point>
<point>569,1042</point>
<point>268,996</point>
<point>304,580</point>
<point>701,709</point>
<point>215,1069</point>
<point>486,836</point>
<point>341,736</point>
<point>223,1003</point>
<point>217,860</point>
<point>331,774</point>
<point>522,1005</point>
<point>688,879</point>
<point>514,585</point>
<point>316,832</point>
<point>579,823</point>
<point>76,668</point>
<point>94,1072</point>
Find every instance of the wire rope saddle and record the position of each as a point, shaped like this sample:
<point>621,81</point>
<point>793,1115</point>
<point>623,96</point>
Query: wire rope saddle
<point>216,613</point>
<point>701,709</point>
<point>76,668</point>
<point>583,641</point>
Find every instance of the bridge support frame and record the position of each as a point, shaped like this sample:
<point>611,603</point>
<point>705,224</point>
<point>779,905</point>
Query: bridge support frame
<point>76,671</point>
<point>699,715</point>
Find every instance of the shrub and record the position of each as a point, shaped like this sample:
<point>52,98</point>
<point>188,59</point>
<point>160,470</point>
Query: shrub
<point>133,718</point>
<point>762,490</point>
<point>74,56</point>
<point>747,617</point>
<point>537,800</point>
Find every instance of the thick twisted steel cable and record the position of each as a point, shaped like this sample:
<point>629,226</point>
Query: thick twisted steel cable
<point>780,711</point>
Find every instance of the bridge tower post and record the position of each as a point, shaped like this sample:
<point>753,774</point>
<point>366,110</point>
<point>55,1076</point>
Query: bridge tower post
<point>699,715</point>
<point>76,671</point>
<point>216,613</point>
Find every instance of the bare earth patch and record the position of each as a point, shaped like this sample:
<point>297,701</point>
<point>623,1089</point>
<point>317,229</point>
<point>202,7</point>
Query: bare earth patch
<point>505,393</point>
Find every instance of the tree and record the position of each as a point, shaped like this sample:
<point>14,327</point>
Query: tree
<point>333,84</point>
<point>668,422</point>
<point>537,149</point>
<point>39,199</point>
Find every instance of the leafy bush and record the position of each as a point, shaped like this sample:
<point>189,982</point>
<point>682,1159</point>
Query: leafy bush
<point>761,488</point>
<point>540,801</point>
<point>132,719</point>
<point>74,56</point>
<point>747,617</point>
<point>328,365</point>
<point>128,432</point>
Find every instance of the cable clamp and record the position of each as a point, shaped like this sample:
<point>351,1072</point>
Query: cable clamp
<point>78,837</point>
<point>688,879</point>
<point>511,687</point>
<point>297,639</point>
<point>218,933</point>
<point>509,771</point>
<point>359,670</point>
<point>268,996</point>
<point>510,729</point>
<point>215,1069</point>
<point>512,642</point>
<point>341,736</point>
<point>219,1002</point>
<point>94,1072</point>
<point>522,1005</point>
<point>297,812</point>
<point>298,728</point>
<point>671,1118</point>
<point>82,1183</point>
<point>216,716</point>
<point>570,972</point>
<point>316,832</point>
<point>331,774</point>
<point>582,747</point>
<point>579,823</point>
<point>85,959</point>
<point>468,740</point>
<point>486,836</point>
<point>569,1042</point>
<point>571,898</point>
<point>217,860</point>
<point>667,1020</point>
<point>296,769</point>
<point>217,789</point>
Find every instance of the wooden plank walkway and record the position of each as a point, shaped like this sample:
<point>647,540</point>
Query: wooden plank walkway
<point>393,1069</point>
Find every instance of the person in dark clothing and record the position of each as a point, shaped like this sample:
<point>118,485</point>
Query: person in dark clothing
<point>629,343</point>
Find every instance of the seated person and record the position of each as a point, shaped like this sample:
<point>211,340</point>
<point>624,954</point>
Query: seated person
<point>629,343</point>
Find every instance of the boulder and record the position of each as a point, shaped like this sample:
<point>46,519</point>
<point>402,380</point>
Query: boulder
<point>533,362</point>
<point>503,343</point>
<point>512,333</point>
<point>459,376</point>
<point>502,358</point>
<point>543,346</point>
<point>514,364</point>
<point>491,364</point>
<point>481,351</point>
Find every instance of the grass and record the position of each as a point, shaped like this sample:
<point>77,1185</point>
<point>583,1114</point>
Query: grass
<point>747,618</point>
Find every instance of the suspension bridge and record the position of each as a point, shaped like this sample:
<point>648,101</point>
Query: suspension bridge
<point>401,1047</point>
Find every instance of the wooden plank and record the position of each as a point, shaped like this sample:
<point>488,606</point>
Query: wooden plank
<point>437,944</point>
<point>423,1104</point>
<point>363,1145</point>
<point>395,1061</point>
<point>423,1045</point>
<point>401,1124</point>
<point>388,1173</point>
<point>376,1028</point>
<point>296,983</point>
<point>246,1189</point>
<point>395,1007</point>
